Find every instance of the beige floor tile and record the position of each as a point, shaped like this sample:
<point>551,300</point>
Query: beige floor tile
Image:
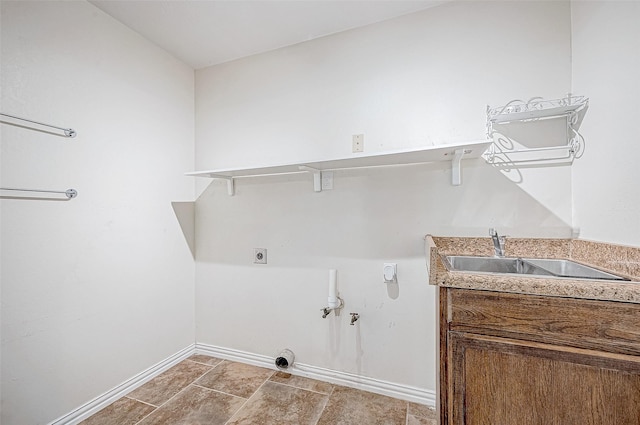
<point>196,405</point>
<point>302,382</point>
<point>124,411</point>
<point>277,404</point>
<point>206,390</point>
<point>208,360</point>
<point>415,420</point>
<point>169,383</point>
<point>238,379</point>
<point>422,411</point>
<point>348,406</point>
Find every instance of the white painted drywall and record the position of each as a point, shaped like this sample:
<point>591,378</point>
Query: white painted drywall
<point>97,289</point>
<point>606,67</point>
<point>418,80</point>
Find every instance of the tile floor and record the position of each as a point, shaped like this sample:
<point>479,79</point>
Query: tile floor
<point>206,390</point>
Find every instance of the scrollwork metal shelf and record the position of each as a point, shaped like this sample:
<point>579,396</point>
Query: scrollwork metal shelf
<point>573,108</point>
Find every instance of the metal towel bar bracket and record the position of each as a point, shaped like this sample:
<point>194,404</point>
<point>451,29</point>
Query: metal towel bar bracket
<point>68,132</point>
<point>69,193</point>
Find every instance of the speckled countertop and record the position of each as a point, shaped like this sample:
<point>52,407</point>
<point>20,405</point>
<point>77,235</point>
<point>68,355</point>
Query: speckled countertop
<point>621,260</point>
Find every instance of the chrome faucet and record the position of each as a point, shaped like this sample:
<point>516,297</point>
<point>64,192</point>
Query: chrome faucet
<point>498,242</point>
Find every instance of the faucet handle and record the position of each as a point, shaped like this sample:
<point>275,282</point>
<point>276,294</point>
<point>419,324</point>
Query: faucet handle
<point>492,232</point>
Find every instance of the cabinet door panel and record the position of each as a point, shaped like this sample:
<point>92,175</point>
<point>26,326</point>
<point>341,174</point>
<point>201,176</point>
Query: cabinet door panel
<point>498,381</point>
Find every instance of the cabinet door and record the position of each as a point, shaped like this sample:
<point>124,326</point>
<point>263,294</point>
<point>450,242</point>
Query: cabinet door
<point>500,381</point>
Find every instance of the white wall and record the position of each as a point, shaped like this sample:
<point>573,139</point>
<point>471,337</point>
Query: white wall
<point>418,80</point>
<point>97,289</point>
<point>606,66</point>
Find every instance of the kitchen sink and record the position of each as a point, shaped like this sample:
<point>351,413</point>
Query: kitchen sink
<point>494,265</point>
<point>568,268</point>
<point>527,266</point>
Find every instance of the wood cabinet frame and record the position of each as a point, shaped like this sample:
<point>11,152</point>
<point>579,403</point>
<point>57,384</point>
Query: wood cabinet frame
<point>565,360</point>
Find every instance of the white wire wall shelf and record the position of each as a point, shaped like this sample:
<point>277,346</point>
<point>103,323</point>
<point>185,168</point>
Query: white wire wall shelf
<point>454,153</point>
<point>571,108</point>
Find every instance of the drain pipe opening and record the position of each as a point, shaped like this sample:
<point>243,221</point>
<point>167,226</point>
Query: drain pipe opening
<point>285,359</point>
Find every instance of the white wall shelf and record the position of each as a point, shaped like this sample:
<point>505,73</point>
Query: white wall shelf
<point>571,108</point>
<point>454,153</point>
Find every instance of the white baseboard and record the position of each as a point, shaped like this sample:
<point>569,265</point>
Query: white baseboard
<point>403,392</point>
<point>88,409</point>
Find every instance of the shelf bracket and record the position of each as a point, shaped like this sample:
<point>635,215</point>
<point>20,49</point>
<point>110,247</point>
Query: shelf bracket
<point>231,188</point>
<point>456,172</point>
<point>317,177</point>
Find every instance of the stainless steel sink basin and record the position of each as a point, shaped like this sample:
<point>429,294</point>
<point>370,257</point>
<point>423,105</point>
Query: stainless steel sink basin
<point>494,265</point>
<point>568,268</point>
<point>529,266</point>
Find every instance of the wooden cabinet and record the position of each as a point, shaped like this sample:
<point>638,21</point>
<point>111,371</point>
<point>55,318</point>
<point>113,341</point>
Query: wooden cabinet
<point>512,359</point>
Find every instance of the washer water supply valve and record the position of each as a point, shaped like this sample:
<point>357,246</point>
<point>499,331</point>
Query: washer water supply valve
<point>334,305</point>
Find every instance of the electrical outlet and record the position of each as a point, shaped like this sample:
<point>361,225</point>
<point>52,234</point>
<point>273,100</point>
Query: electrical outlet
<point>260,256</point>
<point>357,143</point>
